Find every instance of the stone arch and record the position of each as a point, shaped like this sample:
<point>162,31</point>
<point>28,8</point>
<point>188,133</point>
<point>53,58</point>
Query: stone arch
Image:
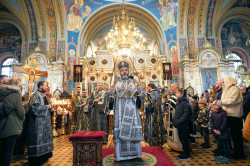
<point>104,16</point>
<point>44,60</point>
<point>242,53</point>
<point>243,16</point>
<point>208,57</point>
<point>20,26</point>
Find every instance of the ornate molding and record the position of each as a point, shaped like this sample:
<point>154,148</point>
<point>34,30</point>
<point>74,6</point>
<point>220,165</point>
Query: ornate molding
<point>38,50</point>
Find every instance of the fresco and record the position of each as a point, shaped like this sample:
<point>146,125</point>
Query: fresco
<point>175,79</point>
<point>233,35</point>
<point>241,3</point>
<point>77,11</point>
<point>208,78</point>
<point>10,40</point>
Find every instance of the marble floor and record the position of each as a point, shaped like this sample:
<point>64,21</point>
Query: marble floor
<point>63,155</point>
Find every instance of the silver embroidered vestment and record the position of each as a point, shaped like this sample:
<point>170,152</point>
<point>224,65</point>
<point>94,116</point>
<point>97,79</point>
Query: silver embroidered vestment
<point>82,123</point>
<point>40,139</point>
<point>127,122</point>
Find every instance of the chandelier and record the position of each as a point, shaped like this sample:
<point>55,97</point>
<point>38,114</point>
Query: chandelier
<point>124,37</point>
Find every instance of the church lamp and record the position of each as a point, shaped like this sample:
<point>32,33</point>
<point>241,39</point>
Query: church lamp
<point>124,38</point>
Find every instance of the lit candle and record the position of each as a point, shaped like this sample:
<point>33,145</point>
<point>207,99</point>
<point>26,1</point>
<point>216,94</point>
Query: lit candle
<point>72,93</point>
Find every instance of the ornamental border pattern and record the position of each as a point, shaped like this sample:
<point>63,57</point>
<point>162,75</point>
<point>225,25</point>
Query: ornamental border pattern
<point>32,19</point>
<point>39,7</point>
<point>200,20</point>
<point>210,13</point>
<point>191,26</point>
<point>53,30</point>
<point>182,12</point>
<point>61,19</point>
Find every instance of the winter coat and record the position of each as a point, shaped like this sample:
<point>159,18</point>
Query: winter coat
<point>219,121</point>
<point>231,98</point>
<point>203,117</point>
<point>13,123</point>
<point>246,104</point>
<point>182,113</point>
<point>195,111</point>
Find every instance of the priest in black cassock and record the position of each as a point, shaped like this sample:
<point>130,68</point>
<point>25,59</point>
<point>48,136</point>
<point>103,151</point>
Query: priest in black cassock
<point>154,132</point>
<point>40,139</point>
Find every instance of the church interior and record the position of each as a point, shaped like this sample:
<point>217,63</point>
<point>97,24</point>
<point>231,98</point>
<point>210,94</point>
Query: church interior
<point>74,44</point>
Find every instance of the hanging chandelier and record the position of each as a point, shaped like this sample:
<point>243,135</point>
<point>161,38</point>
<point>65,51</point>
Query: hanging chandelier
<point>124,37</point>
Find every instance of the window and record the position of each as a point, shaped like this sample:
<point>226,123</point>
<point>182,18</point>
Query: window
<point>7,66</point>
<point>237,60</point>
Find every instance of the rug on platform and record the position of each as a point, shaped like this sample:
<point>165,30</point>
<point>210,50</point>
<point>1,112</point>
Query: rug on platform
<point>148,154</point>
<point>146,159</point>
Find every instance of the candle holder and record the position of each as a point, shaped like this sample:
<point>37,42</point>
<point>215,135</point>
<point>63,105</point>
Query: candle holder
<point>63,121</point>
<point>54,132</point>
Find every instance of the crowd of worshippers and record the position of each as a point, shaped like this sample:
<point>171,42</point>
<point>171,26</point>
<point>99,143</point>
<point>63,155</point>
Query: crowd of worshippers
<point>218,111</point>
<point>221,111</point>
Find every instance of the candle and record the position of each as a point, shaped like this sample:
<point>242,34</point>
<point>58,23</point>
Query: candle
<point>72,93</point>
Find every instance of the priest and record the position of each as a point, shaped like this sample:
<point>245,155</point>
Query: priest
<point>155,134</point>
<point>82,123</point>
<point>127,123</point>
<point>98,111</point>
<point>40,139</point>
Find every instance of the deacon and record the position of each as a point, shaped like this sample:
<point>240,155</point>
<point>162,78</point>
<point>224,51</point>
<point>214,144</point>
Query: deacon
<point>154,132</point>
<point>98,110</point>
<point>172,136</point>
<point>127,122</point>
<point>82,123</point>
<point>76,103</point>
<point>40,139</point>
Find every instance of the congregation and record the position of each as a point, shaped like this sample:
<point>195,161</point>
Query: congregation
<point>221,110</point>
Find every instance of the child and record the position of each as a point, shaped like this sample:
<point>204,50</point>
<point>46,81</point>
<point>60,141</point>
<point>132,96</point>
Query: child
<point>219,126</point>
<point>202,121</point>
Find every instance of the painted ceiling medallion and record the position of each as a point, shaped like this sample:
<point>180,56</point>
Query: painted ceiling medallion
<point>92,62</point>
<point>92,78</point>
<point>153,60</point>
<point>154,76</point>
<point>104,61</point>
<point>141,60</point>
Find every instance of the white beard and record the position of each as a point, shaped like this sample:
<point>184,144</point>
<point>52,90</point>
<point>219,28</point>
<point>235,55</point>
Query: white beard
<point>124,77</point>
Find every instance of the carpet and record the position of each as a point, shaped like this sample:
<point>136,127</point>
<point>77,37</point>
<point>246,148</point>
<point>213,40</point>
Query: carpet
<point>145,159</point>
<point>162,158</point>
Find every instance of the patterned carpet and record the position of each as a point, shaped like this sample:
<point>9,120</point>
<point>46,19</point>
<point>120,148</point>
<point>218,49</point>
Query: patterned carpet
<point>63,154</point>
<point>146,159</point>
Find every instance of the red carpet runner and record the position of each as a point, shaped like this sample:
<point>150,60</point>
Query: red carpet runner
<point>162,158</point>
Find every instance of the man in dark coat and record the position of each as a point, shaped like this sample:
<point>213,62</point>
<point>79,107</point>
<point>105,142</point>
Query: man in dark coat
<point>246,101</point>
<point>40,139</point>
<point>180,121</point>
<point>154,132</point>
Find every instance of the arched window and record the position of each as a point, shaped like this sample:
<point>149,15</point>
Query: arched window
<point>7,66</point>
<point>237,60</point>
